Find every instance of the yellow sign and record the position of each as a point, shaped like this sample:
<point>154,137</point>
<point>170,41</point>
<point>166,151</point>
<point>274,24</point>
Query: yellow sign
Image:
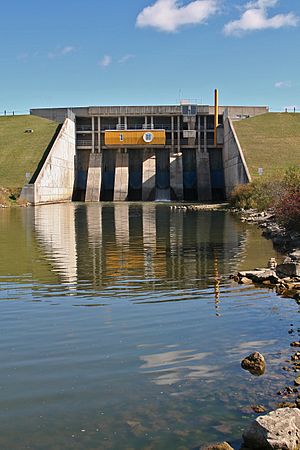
<point>134,138</point>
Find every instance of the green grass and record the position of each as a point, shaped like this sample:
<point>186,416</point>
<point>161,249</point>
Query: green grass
<point>21,152</point>
<point>270,141</point>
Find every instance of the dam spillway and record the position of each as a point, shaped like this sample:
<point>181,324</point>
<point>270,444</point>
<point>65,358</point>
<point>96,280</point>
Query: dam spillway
<point>185,152</point>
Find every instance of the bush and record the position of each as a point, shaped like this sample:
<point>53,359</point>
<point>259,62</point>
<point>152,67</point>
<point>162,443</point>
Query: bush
<point>263,193</point>
<point>258,195</point>
<point>288,210</point>
<point>291,180</point>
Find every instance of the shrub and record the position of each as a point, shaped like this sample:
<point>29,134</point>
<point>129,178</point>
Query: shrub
<point>291,180</point>
<point>258,195</point>
<point>288,210</point>
<point>265,193</point>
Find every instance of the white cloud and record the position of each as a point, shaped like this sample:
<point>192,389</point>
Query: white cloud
<point>126,58</point>
<point>283,84</point>
<point>61,51</point>
<point>256,18</point>
<point>67,49</point>
<point>105,61</point>
<point>169,15</point>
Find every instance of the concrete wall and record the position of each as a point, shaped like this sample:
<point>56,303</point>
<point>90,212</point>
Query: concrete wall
<point>59,114</point>
<point>55,180</point>
<point>235,166</point>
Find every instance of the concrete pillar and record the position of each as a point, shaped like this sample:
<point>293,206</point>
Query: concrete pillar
<point>121,177</point>
<point>203,177</point>
<point>94,178</point>
<point>172,135</point>
<point>146,122</point>
<point>125,122</point>
<point>178,134</point>
<point>152,123</point>
<point>122,224</point>
<point>93,134</point>
<point>99,135</point>
<point>176,175</point>
<point>149,169</point>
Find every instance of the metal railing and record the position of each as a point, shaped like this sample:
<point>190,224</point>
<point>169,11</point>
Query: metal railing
<point>83,143</point>
<point>5,112</point>
<point>84,128</point>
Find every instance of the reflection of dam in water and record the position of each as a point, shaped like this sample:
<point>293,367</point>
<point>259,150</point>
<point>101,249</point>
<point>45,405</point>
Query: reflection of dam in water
<point>147,246</point>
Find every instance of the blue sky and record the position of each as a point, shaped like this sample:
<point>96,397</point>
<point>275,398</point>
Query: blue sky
<point>97,52</point>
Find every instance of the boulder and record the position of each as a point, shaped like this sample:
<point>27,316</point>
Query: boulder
<point>295,256</point>
<point>218,446</point>
<point>288,269</point>
<point>280,429</point>
<point>260,275</point>
<point>254,363</point>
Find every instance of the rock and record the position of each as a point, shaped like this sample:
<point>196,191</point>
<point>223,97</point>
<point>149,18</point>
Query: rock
<point>258,409</point>
<point>254,363</point>
<point>297,381</point>
<point>218,446</point>
<point>245,280</point>
<point>280,429</point>
<point>295,356</point>
<point>286,405</point>
<point>295,344</point>
<point>288,269</point>
<point>272,264</point>
<point>290,293</point>
<point>295,256</point>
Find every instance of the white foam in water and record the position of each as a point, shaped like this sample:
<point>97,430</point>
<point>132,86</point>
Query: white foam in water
<point>162,195</point>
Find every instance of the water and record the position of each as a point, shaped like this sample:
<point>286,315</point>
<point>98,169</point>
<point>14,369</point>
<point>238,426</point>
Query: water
<point>120,328</point>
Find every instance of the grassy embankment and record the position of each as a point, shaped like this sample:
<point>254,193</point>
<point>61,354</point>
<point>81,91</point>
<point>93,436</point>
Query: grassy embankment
<point>21,152</point>
<point>272,142</point>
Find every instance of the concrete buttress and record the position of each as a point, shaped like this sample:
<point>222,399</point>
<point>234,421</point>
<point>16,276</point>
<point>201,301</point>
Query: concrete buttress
<point>121,177</point>
<point>94,178</point>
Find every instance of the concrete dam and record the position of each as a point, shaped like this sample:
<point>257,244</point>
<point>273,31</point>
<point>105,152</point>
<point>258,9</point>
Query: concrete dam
<point>185,152</point>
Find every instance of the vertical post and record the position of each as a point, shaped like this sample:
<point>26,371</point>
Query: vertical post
<point>172,135</point>
<point>152,123</point>
<point>216,116</point>
<point>93,134</point>
<point>205,134</point>
<point>199,134</point>
<point>146,122</point>
<point>125,122</point>
<point>99,135</point>
<point>178,134</point>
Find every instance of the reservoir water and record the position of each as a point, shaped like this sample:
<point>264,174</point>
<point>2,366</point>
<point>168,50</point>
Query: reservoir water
<point>120,328</point>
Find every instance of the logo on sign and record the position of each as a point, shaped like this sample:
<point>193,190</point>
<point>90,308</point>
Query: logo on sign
<point>148,137</point>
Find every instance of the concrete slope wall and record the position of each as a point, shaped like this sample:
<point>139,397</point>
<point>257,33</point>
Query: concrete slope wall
<point>235,166</point>
<point>55,180</point>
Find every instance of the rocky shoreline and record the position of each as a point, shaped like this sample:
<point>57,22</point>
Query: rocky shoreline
<point>279,429</point>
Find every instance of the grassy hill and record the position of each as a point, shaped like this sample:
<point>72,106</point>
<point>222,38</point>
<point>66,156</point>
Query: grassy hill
<point>270,141</point>
<point>20,152</point>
